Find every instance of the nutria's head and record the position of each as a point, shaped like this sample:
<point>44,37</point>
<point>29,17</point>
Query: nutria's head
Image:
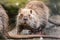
<point>27,16</point>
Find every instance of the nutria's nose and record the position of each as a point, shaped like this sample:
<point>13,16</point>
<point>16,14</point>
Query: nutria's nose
<point>25,19</point>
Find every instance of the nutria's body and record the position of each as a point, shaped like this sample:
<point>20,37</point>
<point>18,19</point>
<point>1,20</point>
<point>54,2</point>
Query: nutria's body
<point>33,17</point>
<point>3,21</point>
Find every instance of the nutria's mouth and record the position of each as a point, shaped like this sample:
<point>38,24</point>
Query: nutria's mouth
<point>24,22</point>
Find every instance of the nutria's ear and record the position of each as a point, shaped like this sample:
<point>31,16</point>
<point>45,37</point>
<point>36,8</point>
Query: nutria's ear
<point>31,11</point>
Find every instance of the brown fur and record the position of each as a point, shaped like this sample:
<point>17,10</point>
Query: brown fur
<point>36,13</point>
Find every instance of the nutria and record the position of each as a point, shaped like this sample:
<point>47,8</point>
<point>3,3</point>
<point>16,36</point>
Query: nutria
<point>3,21</point>
<point>33,17</point>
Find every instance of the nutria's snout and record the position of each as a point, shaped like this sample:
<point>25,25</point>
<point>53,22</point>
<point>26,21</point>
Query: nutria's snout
<point>25,19</point>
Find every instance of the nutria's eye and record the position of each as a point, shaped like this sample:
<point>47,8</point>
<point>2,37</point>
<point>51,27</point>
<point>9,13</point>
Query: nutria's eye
<point>31,11</point>
<point>21,15</point>
<point>29,15</point>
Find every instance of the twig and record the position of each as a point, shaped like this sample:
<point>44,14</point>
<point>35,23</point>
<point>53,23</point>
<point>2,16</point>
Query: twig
<point>32,36</point>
